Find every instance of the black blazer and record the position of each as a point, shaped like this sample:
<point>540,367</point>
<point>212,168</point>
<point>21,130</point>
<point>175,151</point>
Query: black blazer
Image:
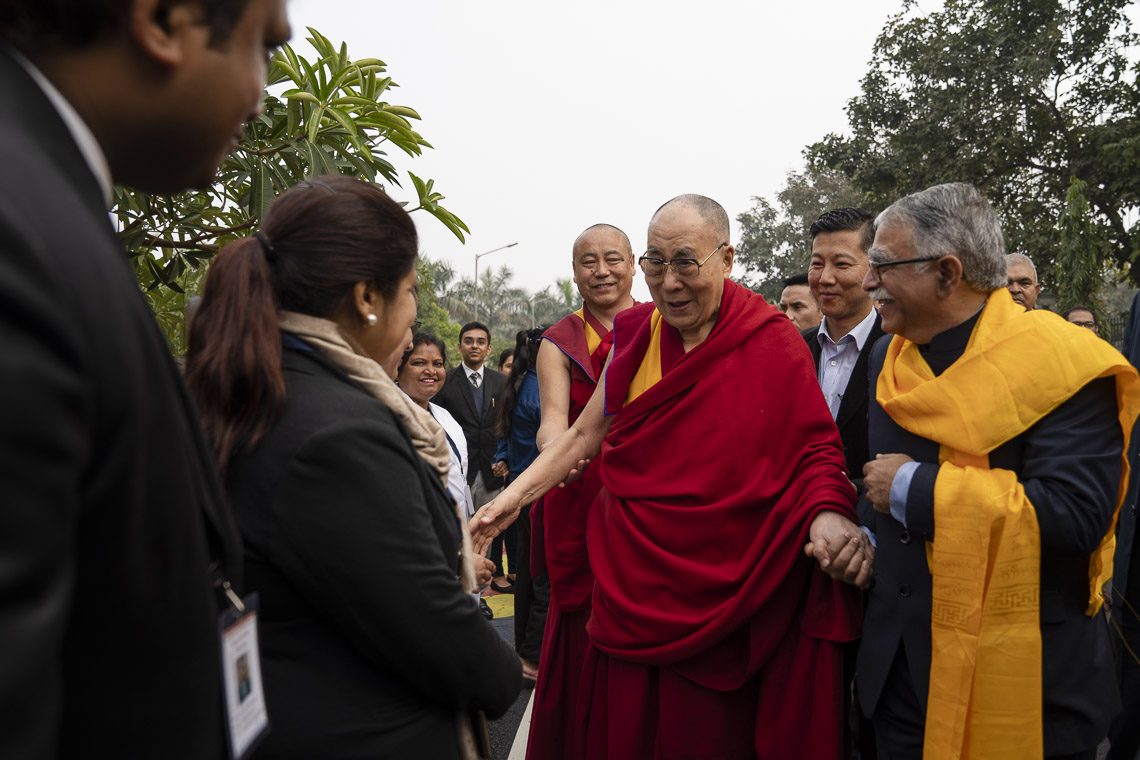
<point>478,425</point>
<point>1073,491</point>
<point>370,647</point>
<point>111,514</point>
<point>852,417</point>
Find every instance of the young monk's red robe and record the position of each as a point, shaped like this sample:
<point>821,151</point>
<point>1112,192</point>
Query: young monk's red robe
<point>711,633</point>
<point>561,518</point>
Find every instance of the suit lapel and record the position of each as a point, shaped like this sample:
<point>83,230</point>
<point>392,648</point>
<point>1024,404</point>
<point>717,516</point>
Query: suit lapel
<point>855,395</point>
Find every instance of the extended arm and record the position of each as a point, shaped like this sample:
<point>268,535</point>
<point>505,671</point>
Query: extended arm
<point>580,443</point>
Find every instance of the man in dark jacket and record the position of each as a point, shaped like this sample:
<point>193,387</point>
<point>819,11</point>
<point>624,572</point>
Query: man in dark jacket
<point>115,542</point>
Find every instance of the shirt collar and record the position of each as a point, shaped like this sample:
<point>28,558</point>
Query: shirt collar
<point>859,333</point>
<point>471,372</point>
<point>80,132</point>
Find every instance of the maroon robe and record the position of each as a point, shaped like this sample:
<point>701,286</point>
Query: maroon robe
<point>711,633</point>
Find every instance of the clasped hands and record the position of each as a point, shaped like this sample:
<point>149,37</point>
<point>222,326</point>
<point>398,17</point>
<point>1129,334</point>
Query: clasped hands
<point>841,548</point>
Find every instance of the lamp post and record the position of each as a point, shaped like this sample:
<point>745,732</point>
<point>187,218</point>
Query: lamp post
<point>475,292</point>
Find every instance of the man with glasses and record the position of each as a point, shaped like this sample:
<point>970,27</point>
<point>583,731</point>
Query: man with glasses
<point>713,632</point>
<point>570,361</point>
<point>994,486</point>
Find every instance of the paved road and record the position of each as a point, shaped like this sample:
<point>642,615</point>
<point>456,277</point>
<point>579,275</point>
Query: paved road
<point>504,729</point>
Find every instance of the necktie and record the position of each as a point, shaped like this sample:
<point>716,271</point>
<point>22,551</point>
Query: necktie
<point>477,390</point>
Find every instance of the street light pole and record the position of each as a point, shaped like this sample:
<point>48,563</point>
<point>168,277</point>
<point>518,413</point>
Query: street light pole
<point>475,291</point>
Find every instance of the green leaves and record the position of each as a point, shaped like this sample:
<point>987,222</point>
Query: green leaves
<point>322,116</point>
<point>1015,97</point>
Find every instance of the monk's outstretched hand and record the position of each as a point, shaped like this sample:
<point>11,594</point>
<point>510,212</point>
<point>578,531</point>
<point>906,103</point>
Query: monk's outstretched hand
<point>492,519</point>
<point>841,548</point>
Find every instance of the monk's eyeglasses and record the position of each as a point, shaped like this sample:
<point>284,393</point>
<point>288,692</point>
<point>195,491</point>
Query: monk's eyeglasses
<point>879,266</point>
<point>684,268</point>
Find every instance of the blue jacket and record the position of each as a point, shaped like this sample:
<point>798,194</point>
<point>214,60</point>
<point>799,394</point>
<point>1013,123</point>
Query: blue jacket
<point>522,447</point>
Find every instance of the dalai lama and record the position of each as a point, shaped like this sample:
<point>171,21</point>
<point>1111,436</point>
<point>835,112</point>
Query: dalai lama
<point>713,631</point>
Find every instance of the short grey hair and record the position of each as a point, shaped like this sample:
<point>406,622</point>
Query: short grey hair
<point>955,219</point>
<point>1021,258</point>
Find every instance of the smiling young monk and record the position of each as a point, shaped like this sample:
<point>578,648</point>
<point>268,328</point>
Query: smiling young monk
<point>711,633</point>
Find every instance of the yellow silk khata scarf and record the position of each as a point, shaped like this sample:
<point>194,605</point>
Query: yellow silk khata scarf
<point>985,675</point>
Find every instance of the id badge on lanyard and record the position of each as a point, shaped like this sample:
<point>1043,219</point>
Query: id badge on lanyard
<point>247,721</point>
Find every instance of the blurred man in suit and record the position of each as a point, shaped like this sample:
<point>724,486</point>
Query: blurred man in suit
<point>115,542</point>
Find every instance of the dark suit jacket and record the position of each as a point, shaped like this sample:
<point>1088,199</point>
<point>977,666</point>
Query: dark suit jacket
<point>1069,465</point>
<point>111,514</point>
<point>478,425</point>
<point>370,647</point>
<point>1125,566</point>
<point>852,417</point>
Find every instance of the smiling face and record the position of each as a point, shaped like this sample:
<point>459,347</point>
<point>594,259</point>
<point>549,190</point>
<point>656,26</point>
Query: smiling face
<point>838,266</point>
<point>689,304</point>
<point>907,295</point>
<point>423,374</point>
<point>603,268</point>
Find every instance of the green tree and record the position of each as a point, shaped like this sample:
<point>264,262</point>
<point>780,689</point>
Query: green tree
<point>326,116</point>
<point>1081,255</point>
<point>432,316</point>
<point>774,240</point>
<point>554,302</point>
<point>1014,96</point>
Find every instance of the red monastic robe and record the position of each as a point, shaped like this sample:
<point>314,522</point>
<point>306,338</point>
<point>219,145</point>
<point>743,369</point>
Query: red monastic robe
<point>561,519</point>
<point>711,633</point>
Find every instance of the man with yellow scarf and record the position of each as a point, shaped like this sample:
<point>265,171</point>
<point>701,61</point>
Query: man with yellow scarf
<point>998,438</point>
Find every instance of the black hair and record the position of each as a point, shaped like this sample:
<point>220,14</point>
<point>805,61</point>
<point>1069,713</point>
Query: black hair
<point>422,339</point>
<point>1089,309</point>
<point>506,354</point>
<point>796,279</point>
<point>28,24</point>
<point>844,220</point>
<point>474,326</point>
<point>526,352</point>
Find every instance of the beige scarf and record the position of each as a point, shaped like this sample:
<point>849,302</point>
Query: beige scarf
<point>427,436</point>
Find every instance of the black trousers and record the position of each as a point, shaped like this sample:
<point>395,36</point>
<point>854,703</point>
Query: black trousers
<point>899,719</point>
<point>1124,734</point>
<point>532,596</point>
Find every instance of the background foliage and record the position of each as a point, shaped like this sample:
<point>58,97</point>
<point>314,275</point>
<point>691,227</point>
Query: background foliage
<point>329,115</point>
<point>1034,101</point>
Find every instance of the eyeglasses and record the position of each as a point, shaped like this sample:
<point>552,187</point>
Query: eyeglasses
<point>878,266</point>
<point>684,268</point>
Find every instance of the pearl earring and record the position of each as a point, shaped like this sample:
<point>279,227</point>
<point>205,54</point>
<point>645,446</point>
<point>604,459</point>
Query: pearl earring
<point>371,320</point>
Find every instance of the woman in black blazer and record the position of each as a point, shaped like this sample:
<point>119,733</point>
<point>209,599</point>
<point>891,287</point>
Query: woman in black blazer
<point>372,644</point>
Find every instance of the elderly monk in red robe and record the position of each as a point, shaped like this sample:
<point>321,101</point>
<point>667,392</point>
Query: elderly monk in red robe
<point>570,361</point>
<point>713,632</point>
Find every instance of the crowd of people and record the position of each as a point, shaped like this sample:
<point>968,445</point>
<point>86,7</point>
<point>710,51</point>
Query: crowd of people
<point>895,520</point>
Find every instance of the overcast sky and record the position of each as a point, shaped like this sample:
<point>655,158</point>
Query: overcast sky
<point>547,118</point>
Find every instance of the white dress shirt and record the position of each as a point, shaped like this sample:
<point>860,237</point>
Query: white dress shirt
<point>837,359</point>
